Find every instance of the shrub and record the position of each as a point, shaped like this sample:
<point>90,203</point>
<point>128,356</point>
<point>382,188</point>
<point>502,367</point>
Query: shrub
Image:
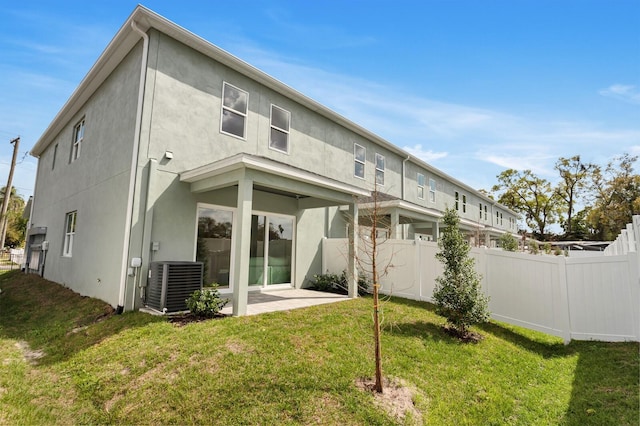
<point>547,247</point>
<point>534,248</point>
<point>508,242</point>
<point>206,303</point>
<point>458,295</point>
<point>334,283</point>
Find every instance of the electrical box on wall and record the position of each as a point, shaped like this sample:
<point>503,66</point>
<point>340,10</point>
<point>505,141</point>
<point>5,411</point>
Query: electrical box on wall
<point>155,245</point>
<point>136,262</point>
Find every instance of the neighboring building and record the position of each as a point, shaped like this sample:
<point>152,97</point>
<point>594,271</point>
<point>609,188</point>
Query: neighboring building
<point>172,149</point>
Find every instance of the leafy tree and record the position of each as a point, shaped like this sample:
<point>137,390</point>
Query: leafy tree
<point>458,295</point>
<point>574,175</point>
<point>528,194</point>
<point>16,224</point>
<point>616,197</point>
<point>508,242</point>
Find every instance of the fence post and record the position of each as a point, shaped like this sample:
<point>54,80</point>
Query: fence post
<point>564,303</point>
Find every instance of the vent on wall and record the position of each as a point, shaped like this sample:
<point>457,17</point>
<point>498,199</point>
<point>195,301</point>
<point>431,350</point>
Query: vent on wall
<point>171,283</point>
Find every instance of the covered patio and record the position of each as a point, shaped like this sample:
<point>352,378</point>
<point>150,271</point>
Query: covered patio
<point>285,300</point>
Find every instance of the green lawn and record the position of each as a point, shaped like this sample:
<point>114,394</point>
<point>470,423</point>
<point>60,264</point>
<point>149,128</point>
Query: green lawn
<point>297,367</point>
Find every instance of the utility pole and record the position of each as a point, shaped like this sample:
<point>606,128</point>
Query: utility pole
<point>7,192</point>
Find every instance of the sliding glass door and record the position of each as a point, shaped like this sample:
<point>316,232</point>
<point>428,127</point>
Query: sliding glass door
<point>271,250</point>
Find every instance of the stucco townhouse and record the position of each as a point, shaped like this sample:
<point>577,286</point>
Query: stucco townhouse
<point>172,149</point>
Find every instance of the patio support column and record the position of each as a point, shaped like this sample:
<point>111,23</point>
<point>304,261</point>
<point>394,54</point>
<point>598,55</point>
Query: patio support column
<point>352,262</point>
<point>436,231</point>
<point>396,230</point>
<point>241,251</point>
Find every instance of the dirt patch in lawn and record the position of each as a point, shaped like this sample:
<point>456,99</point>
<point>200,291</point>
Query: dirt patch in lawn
<point>397,398</point>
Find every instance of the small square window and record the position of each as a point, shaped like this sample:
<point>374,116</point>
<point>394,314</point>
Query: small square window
<point>359,156</point>
<point>279,137</point>
<point>234,111</point>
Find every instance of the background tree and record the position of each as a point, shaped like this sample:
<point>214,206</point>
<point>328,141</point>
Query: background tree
<point>574,175</point>
<point>616,197</point>
<point>530,195</point>
<point>458,295</point>
<point>16,224</point>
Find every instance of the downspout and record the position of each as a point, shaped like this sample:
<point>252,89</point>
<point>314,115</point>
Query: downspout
<point>134,168</point>
<point>404,231</point>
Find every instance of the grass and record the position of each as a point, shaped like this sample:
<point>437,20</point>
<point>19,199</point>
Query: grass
<point>296,367</point>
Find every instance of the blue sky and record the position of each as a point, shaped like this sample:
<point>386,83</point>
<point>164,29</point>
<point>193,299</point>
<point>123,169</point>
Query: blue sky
<point>471,87</point>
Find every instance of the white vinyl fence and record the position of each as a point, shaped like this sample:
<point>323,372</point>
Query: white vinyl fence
<point>628,240</point>
<point>594,298</point>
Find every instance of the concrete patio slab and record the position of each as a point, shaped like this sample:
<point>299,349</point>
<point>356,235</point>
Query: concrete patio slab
<point>284,300</point>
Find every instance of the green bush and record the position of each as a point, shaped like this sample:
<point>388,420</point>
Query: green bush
<point>334,283</point>
<point>534,248</point>
<point>547,247</point>
<point>458,295</point>
<point>206,303</point>
<point>508,242</point>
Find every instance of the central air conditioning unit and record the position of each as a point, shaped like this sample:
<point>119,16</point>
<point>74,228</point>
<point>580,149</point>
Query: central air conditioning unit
<point>171,283</point>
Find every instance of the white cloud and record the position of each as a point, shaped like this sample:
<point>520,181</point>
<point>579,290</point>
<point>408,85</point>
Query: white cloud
<point>426,155</point>
<point>624,92</point>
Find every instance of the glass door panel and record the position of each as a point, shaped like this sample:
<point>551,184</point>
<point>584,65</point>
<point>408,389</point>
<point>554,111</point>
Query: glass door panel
<point>257,251</point>
<point>213,248</point>
<point>279,250</point>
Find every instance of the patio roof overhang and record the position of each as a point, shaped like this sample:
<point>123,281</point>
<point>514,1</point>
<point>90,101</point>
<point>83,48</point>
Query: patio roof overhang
<point>310,190</point>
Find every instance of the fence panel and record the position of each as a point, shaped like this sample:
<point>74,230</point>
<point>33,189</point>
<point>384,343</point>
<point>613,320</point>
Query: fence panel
<point>528,291</point>
<point>581,298</point>
<point>603,298</point>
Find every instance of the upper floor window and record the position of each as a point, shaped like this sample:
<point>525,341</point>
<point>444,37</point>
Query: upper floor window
<point>78,136</point>
<point>432,190</point>
<point>234,111</point>
<point>279,137</point>
<point>501,219</point>
<point>69,233</point>
<point>485,212</point>
<point>457,201</point>
<point>497,218</point>
<point>421,186</point>
<point>464,203</point>
<point>480,211</point>
<point>379,169</point>
<point>359,156</point>
<point>55,154</point>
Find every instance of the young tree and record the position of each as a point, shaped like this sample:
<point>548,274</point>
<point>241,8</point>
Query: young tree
<point>376,222</point>
<point>574,176</point>
<point>458,295</point>
<point>530,195</point>
<point>15,225</point>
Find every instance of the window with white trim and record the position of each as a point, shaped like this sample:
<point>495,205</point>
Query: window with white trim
<point>457,201</point>
<point>359,157</point>
<point>379,169</point>
<point>480,211</point>
<point>432,190</point>
<point>279,136</point>
<point>235,103</point>
<point>497,218</point>
<point>55,154</point>
<point>485,212</point>
<point>78,137</point>
<point>464,203</point>
<point>69,233</point>
<point>421,181</point>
